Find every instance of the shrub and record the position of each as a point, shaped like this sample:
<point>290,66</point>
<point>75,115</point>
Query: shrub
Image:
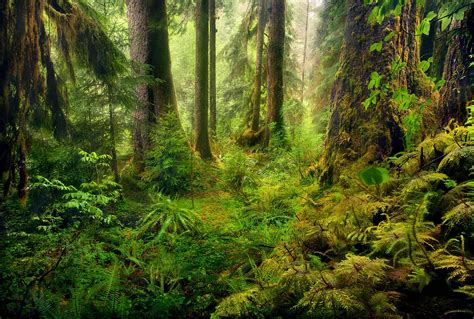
<point>169,162</point>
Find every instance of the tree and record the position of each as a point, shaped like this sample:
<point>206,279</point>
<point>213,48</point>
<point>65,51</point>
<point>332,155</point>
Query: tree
<point>26,63</point>
<point>356,133</point>
<point>164,96</point>
<point>257,84</point>
<point>458,89</point>
<point>150,53</point>
<point>304,52</point>
<point>212,66</point>
<point>275,65</point>
<point>201,102</point>
<point>137,13</point>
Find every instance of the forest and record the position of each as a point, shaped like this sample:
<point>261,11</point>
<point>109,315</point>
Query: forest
<point>237,159</point>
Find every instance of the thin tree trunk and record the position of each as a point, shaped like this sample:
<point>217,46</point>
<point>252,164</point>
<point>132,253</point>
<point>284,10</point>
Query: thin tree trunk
<point>304,52</point>
<point>257,89</point>
<point>212,66</point>
<point>201,101</point>
<point>113,149</point>
<point>275,56</point>
<point>23,172</point>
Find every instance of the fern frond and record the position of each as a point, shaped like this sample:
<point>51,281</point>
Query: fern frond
<point>423,183</point>
<point>244,304</point>
<point>361,270</point>
<point>467,290</point>
<point>461,215</point>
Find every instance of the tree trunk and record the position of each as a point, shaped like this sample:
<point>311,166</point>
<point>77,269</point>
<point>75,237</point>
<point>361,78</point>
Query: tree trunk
<point>137,12</point>
<point>458,89</point>
<point>257,84</point>
<point>149,45</point>
<point>164,96</point>
<point>212,66</point>
<point>275,56</point>
<point>304,52</point>
<point>113,149</point>
<point>354,133</point>
<point>201,101</point>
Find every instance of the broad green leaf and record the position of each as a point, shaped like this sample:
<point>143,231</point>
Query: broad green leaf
<point>431,15</point>
<point>424,65</point>
<point>445,22</point>
<point>373,175</point>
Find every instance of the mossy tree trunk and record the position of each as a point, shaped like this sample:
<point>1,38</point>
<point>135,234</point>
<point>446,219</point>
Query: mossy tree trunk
<point>201,101</point>
<point>24,53</point>
<point>212,67</point>
<point>459,87</point>
<point>275,66</point>
<point>357,135</point>
<point>149,45</point>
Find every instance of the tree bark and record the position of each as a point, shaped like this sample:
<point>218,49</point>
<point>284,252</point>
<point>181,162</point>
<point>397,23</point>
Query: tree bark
<point>257,86</point>
<point>149,45</point>
<point>212,67</point>
<point>458,89</point>
<point>137,13</point>
<point>201,101</point>
<point>164,96</point>
<point>275,56</point>
<point>357,135</point>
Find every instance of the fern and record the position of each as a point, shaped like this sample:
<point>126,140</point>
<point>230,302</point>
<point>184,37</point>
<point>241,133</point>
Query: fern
<point>166,218</point>
<point>109,296</point>
<point>247,304</point>
<point>419,277</point>
<point>332,299</point>
<point>461,215</point>
<point>424,183</point>
<point>361,270</point>
<point>461,268</point>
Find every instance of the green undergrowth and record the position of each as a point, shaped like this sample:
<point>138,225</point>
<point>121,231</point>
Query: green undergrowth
<point>252,235</point>
<point>101,249</point>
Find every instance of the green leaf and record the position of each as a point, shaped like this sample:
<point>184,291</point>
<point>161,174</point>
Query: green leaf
<point>398,10</point>
<point>377,46</point>
<point>440,84</point>
<point>431,15</point>
<point>373,15</point>
<point>389,36</point>
<point>424,65</point>
<point>423,28</point>
<point>373,175</point>
<point>375,79</point>
<point>445,22</point>
<point>459,15</point>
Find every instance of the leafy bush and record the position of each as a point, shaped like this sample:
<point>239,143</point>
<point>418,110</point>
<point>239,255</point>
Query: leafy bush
<point>74,205</point>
